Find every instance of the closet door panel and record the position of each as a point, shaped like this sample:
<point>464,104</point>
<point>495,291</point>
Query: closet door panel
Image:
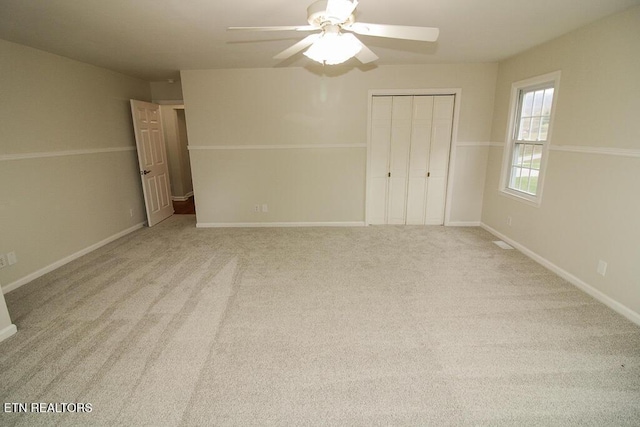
<point>419,159</point>
<point>401,116</point>
<point>439,158</point>
<point>410,143</point>
<point>380,145</point>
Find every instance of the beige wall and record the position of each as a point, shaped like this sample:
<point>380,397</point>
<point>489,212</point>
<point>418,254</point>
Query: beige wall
<point>591,204</point>
<point>67,158</point>
<point>165,92</point>
<point>293,106</point>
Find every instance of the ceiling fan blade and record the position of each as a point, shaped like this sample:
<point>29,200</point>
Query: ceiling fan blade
<point>425,34</point>
<point>340,9</point>
<point>365,55</point>
<point>283,28</point>
<point>292,50</point>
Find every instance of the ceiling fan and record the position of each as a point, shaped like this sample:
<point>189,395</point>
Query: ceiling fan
<point>334,43</point>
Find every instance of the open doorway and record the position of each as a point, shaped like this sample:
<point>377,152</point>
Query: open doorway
<point>177,142</point>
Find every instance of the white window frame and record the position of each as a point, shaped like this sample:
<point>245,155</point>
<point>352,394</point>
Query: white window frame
<point>546,80</point>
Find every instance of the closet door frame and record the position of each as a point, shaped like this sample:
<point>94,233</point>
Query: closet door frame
<point>457,93</point>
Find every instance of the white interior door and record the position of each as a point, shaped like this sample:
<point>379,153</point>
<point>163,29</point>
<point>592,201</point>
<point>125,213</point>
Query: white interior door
<point>152,159</point>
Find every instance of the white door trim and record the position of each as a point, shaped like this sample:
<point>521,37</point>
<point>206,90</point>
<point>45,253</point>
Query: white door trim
<point>457,92</point>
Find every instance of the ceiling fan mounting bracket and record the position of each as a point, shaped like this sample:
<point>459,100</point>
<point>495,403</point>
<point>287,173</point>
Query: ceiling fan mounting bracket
<point>317,16</point>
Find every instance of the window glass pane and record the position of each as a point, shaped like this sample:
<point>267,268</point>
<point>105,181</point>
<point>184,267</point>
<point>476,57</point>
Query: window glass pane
<point>546,104</point>
<point>523,132</point>
<point>525,168</point>
<point>544,129</point>
<point>516,183</point>
<point>537,157</point>
<point>524,184</point>
<point>526,155</point>
<point>537,102</point>
<point>533,182</point>
<point>517,155</point>
<point>535,128</point>
<point>515,177</point>
<point>520,181</point>
<point>527,104</point>
<point>531,158</point>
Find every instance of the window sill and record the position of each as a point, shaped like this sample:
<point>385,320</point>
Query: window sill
<point>531,201</point>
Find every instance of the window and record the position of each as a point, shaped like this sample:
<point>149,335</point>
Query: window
<point>529,134</point>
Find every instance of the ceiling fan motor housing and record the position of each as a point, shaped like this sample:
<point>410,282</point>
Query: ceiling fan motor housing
<point>317,16</point>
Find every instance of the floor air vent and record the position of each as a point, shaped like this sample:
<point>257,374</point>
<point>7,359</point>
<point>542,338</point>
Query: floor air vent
<point>502,244</point>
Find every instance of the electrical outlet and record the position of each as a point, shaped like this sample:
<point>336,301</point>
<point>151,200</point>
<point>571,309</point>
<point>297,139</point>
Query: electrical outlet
<point>509,221</point>
<point>602,268</point>
<point>3,261</point>
<point>265,208</point>
<point>12,258</point>
<point>256,208</point>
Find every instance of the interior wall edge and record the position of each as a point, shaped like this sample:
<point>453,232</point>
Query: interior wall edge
<point>569,277</point>
<point>57,264</point>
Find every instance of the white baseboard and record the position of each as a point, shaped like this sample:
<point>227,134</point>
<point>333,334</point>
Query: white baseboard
<point>575,281</point>
<point>41,272</point>
<point>463,224</point>
<point>182,198</point>
<point>7,332</point>
<point>279,224</point>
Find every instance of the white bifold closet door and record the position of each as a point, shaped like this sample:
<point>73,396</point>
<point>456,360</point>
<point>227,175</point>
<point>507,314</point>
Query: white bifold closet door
<point>410,144</point>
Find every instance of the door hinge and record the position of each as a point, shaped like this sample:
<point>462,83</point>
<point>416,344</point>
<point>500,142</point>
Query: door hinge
<point>428,174</point>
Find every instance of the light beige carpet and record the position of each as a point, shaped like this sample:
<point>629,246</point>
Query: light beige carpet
<point>316,326</point>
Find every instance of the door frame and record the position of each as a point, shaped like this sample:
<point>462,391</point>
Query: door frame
<point>457,93</point>
<point>174,117</point>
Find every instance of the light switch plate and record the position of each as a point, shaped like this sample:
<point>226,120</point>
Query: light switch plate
<point>602,268</point>
<point>12,258</point>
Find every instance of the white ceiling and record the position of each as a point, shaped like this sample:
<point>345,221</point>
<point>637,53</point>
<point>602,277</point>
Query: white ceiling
<point>153,39</point>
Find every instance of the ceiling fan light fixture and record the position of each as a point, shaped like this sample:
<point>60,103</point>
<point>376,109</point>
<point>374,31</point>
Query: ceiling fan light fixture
<point>333,48</point>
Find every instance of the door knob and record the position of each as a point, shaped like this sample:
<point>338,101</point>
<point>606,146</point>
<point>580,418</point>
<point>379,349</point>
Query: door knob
<point>144,172</point>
